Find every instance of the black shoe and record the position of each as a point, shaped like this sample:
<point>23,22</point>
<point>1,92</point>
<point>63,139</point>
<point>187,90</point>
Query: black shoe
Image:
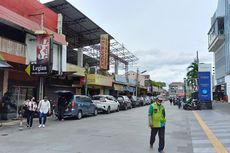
<point>161,151</point>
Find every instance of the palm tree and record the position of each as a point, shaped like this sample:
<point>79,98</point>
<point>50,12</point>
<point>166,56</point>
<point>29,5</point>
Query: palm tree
<point>192,75</point>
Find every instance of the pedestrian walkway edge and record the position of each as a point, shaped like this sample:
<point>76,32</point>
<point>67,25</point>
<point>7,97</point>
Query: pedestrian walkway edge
<point>219,147</point>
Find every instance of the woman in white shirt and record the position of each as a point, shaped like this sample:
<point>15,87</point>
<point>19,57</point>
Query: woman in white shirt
<point>44,108</point>
<point>31,108</point>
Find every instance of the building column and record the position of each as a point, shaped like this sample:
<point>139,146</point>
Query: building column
<point>5,81</point>
<point>116,66</point>
<point>1,83</point>
<point>41,88</point>
<point>80,57</point>
<point>101,91</point>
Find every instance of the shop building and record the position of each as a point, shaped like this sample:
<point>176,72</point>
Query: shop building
<point>218,44</point>
<point>20,25</point>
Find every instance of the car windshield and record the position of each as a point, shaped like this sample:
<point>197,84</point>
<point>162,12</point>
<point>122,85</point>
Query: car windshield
<point>96,97</point>
<point>119,98</point>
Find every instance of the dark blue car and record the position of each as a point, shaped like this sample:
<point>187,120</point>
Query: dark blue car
<point>78,106</point>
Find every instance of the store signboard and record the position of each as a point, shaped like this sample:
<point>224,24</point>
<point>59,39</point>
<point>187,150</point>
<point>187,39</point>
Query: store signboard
<point>37,69</point>
<point>118,87</point>
<point>204,83</point>
<point>132,82</point>
<point>104,51</point>
<point>101,80</point>
<point>43,49</point>
<point>120,79</point>
<point>204,87</point>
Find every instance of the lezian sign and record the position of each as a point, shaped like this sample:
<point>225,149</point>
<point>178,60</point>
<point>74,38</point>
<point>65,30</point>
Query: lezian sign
<point>37,69</point>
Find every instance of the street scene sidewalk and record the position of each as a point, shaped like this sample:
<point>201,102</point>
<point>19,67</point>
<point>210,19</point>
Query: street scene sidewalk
<point>110,133</point>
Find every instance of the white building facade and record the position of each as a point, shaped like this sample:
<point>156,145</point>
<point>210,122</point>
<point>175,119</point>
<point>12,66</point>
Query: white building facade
<point>218,43</point>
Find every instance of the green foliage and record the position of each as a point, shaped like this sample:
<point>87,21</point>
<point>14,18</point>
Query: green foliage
<point>158,84</point>
<point>192,75</point>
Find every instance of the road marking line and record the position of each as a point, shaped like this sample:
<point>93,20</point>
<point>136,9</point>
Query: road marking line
<point>219,147</point>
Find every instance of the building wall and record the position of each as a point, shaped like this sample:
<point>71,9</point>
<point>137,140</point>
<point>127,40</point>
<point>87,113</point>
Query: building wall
<point>30,48</point>
<point>133,76</point>
<point>220,62</point>
<point>27,7</point>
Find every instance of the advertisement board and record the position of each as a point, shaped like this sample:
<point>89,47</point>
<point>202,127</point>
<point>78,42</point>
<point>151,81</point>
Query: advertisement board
<point>204,87</point>
<point>120,79</point>
<point>43,49</point>
<point>96,79</point>
<point>104,52</point>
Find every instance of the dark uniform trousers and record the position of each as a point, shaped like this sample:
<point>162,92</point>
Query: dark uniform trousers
<point>161,134</point>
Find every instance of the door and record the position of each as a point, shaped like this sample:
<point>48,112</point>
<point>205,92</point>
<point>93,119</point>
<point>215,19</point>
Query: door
<point>90,105</point>
<point>112,103</point>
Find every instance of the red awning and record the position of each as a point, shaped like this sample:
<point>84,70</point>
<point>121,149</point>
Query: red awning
<point>12,17</point>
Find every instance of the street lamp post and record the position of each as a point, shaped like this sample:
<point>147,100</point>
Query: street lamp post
<point>185,90</point>
<point>137,82</point>
<point>86,78</point>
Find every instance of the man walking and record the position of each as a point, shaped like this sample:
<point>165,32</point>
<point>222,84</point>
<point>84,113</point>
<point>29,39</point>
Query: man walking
<point>157,122</point>
<point>44,108</point>
<point>61,107</point>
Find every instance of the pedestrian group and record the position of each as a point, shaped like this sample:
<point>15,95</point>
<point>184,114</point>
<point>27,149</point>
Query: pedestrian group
<point>30,107</point>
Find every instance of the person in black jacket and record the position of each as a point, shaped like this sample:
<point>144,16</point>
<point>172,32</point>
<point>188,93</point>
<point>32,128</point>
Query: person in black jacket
<point>61,107</point>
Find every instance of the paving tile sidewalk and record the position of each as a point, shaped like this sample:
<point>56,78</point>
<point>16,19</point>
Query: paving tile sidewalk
<point>218,120</point>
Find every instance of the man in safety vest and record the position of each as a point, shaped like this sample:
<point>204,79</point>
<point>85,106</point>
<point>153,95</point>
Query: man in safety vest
<point>157,123</point>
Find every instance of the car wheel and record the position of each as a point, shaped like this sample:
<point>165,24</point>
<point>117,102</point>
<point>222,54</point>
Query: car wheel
<point>95,112</point>
<point>126,107</point>
<point>108,110</point>
<point>118,108</point>
<point>79,115</point>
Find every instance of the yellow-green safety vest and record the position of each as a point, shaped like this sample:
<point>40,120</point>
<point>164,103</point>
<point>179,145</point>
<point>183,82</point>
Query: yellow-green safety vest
<point>158,118</point>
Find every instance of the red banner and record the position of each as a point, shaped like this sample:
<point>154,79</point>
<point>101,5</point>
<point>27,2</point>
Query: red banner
<point>104,52</point>
<point>43,49</point>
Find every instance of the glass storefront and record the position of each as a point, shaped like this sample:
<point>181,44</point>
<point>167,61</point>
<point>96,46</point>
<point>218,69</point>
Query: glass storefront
<point>13,98</point>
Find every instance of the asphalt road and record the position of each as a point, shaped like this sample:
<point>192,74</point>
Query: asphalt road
<point>123,132</point>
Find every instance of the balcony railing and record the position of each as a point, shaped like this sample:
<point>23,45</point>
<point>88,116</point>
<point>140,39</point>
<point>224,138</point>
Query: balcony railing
<point>12,47</point>
<point>216,35</point>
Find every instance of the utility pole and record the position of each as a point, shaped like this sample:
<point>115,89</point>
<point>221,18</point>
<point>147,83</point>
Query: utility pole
<point>137,83</point>
<point>197,57</point>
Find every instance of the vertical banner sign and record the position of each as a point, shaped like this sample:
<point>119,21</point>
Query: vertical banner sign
<point>43,49</point>
<point>104,52</point>
<point>204,84</point>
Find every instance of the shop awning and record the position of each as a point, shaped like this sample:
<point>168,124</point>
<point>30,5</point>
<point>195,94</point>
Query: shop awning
<point>3,64</point>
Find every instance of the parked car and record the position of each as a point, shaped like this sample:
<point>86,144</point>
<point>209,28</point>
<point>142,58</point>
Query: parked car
<point>125,102</point>
<point>147,100</point>
<point>106,103</point>
<point>140,101</point>
<point>134,101</point>
<point>153,99</point>
<point>77,105</point>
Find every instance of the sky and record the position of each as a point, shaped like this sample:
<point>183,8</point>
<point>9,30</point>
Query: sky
<point>164,35</point>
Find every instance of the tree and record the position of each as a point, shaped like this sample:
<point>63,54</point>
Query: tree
<point>158,84</point>
<point>192,75</point>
